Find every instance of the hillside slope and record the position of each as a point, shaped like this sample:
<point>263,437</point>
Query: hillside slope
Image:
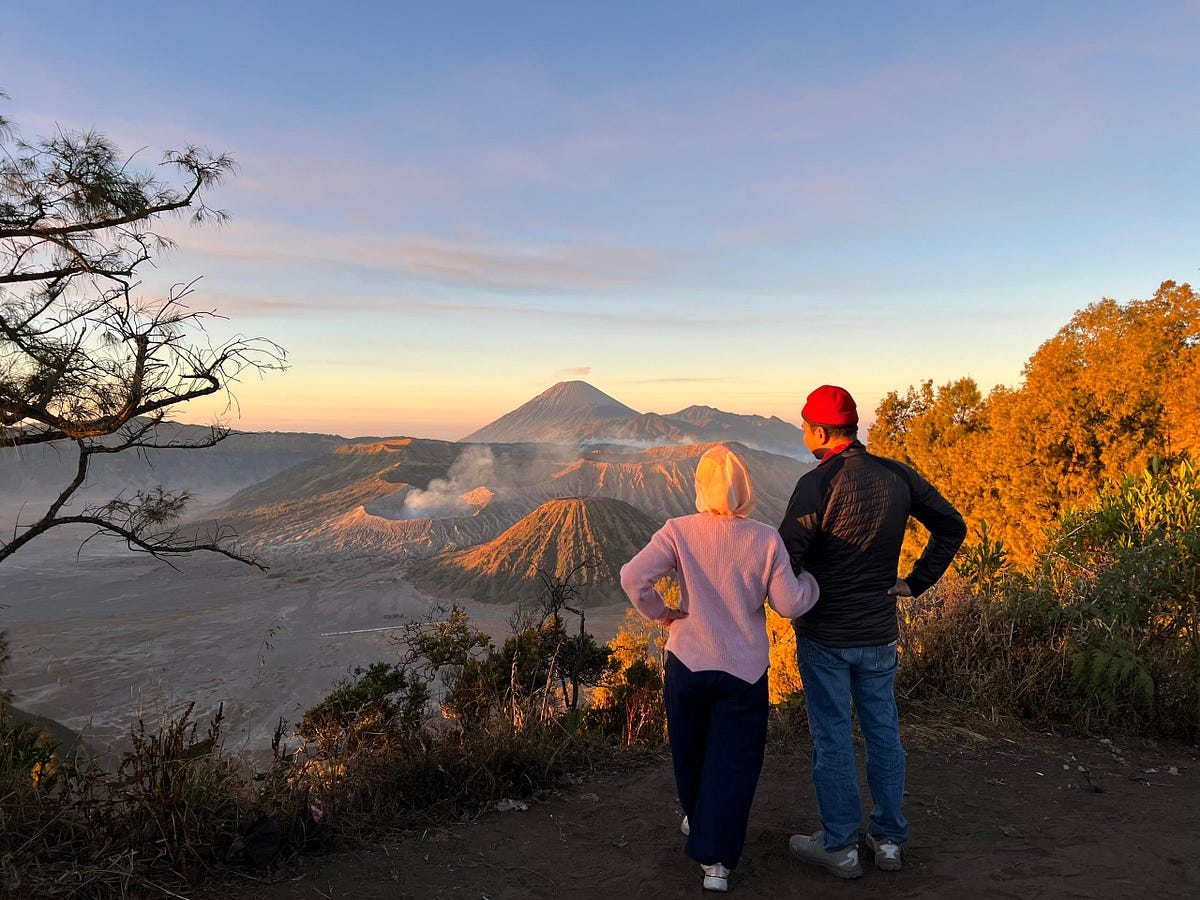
<point>410,497</point>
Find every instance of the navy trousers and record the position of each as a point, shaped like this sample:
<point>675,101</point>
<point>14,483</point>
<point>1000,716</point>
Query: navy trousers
<point>717,725</point>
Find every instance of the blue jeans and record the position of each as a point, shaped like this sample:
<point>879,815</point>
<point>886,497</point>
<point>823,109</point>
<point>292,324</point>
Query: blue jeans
<point>718,729</point>
<point>832,676</point>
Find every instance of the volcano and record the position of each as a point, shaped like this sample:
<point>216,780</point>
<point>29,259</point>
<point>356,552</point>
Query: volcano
<point>583,541</point>
<point>577,414</point>
<point>555,414</point>
<point>407,497</point>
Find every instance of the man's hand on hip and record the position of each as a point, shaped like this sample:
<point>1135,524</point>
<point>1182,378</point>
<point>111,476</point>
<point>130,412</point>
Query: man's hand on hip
<point>900,589</point>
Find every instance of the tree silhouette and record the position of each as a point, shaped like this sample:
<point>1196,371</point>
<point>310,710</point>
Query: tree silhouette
<point>85,359</point>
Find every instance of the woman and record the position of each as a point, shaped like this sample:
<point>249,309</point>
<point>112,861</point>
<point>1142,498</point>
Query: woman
<point>717,651</point>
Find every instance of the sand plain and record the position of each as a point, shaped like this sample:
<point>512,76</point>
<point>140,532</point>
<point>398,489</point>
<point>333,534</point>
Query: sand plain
<point>100,637</point>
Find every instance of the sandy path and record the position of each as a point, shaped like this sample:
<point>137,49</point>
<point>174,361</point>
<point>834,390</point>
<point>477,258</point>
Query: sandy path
<point>993,819</point>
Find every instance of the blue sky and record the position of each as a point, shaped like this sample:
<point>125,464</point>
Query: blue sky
<point>443,209</point>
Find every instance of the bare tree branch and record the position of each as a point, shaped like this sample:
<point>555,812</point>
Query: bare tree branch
<point>85,358</point>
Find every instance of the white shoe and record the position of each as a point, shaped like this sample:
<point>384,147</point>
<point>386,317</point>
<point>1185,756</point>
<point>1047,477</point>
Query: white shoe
<point>685,827</point>
<point>716,878</point>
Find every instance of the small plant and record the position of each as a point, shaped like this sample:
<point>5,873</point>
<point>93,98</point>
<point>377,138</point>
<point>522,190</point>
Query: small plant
<point>984,564</point>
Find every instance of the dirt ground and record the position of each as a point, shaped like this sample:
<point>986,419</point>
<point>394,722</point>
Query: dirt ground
<point>1008,814</point>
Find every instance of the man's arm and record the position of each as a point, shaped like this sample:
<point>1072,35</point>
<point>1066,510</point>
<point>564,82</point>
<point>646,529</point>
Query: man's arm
<point>947,530</point>
<point>801,522</point>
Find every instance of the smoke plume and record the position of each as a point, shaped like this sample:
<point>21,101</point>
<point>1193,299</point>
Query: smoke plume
<point>443,499</point>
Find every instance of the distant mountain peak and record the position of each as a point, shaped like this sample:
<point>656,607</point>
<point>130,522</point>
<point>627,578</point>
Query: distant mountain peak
<point>580,414</point>
<point>554,415</point>
<point>574,389</point>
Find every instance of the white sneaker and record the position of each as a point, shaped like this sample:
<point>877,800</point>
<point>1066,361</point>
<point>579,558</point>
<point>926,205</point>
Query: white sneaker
<point>685,827</point>
<point>716,878</point>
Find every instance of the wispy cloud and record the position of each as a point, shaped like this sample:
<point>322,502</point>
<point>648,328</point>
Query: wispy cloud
<point>576,370</point>
<point>315,306</point>
<point>364,189</point>
<point>675,380</point>
<point>544,267</point>
<point>480,262</point>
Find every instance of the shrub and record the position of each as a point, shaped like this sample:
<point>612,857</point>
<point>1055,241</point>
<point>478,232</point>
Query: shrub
<point>1136,559</point>
<point>628,703</point>
<point>384,698</point>
<point>174,808</point>
<point>999,652</point>
<point>1101,632</point>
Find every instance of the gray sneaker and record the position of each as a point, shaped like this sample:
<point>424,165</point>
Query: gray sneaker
<point>887,853</point>
<point>811,848</point>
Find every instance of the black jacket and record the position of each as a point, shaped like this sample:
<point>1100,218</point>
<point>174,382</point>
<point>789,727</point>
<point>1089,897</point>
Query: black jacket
<point>845,524</point>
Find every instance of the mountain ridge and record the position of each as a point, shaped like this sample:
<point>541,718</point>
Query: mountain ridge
<point>576,412</point>
<point>415,497</point>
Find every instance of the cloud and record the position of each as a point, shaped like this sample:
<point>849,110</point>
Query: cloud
<point>300,305</point>
<point>478,261</point>
<point>676,380</point>
<point>361,190</point>
<point>525,266</point>
<point>576,370</point>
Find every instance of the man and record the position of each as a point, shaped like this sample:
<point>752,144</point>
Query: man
<point>845,524</point>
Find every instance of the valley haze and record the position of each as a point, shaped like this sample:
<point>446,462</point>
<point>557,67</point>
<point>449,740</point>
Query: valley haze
<point>360,535</point>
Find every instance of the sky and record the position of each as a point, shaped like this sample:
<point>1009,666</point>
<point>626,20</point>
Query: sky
<point>442,209</point>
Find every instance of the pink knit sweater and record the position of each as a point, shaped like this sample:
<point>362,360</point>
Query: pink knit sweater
<point>727,566</point>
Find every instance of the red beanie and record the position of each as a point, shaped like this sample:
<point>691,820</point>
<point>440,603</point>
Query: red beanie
<point>829,405</point>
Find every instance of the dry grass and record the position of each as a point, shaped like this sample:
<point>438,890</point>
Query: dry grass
<point>998,655</point>
<point>179,808</point>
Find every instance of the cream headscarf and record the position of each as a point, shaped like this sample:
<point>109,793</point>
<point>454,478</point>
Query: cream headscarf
<point>723,485</point>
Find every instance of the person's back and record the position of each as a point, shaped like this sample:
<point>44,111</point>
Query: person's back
<point>726,566</point>
<point>846,524</point>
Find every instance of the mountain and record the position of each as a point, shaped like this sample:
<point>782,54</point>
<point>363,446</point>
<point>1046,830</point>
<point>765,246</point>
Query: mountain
<point>410,497</point>
<point>574,412</point>
<point>553,415</point>
<point>583,540</point>
<point>401,496</point>
<point>772,434</point>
